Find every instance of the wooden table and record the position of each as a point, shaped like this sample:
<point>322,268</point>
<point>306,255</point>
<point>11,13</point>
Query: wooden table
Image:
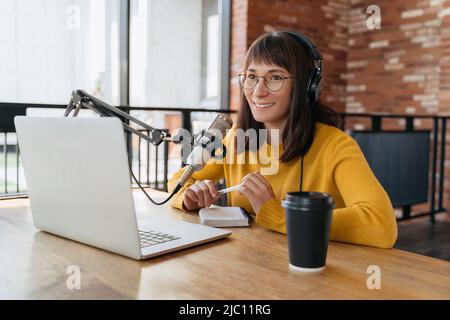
<point>251,264</point>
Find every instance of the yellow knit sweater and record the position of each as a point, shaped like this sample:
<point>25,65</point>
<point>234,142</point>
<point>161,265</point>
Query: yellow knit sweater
<point>335,165</point>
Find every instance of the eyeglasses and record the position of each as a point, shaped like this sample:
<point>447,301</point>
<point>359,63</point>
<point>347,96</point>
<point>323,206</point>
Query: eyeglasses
<point>273,81</point>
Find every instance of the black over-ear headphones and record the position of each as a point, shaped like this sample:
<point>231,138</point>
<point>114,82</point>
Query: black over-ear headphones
<point>314,82</point>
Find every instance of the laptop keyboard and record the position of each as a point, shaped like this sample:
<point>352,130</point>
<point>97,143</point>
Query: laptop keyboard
<point>150,238</point>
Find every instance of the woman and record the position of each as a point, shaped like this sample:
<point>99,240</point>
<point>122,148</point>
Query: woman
<point>275,97</point>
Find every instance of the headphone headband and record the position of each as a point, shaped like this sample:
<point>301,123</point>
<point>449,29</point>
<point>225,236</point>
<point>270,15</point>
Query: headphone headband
<point>311,47</point>
<point>314,80</point>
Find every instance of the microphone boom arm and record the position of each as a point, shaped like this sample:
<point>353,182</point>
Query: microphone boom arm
<point>80,99</point>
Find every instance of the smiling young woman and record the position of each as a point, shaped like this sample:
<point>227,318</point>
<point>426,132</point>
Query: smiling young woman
<point>280,85</point>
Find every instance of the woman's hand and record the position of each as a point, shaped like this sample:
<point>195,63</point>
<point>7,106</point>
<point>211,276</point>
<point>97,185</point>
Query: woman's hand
<point>200,195</point>
<point>256,189</point>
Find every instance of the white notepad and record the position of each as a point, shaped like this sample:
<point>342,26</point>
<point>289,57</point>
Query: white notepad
<point>216,216</point>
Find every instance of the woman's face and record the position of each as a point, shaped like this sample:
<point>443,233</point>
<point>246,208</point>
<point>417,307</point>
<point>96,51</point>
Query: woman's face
<point>269,107</point>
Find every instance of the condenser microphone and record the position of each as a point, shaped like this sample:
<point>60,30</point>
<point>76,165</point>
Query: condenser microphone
<point>204,148</point>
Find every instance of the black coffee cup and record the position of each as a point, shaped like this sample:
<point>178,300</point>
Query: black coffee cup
<point>308,222</point>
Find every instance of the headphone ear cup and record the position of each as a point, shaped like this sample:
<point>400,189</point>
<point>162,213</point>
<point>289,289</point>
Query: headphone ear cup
<point>319,87</point>
<point>314,85</point>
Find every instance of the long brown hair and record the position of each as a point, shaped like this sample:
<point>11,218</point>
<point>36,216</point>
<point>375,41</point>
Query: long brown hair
<point>281,49</point>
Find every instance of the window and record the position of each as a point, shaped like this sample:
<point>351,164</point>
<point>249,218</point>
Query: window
<point>211,54</point>
<point>175,53</point>
<point>51,47</point>
<point>176,61</point>
<point>152,53</point>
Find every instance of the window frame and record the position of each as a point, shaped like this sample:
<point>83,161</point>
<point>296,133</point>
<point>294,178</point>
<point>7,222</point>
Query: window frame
<point>224,9</point>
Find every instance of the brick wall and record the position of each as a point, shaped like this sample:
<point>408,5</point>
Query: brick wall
<point>396,69</point>
<point>404,67</point>
<point>324,22</point>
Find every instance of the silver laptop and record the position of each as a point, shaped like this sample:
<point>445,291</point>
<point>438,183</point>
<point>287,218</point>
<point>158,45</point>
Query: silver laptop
<point>79,186</point>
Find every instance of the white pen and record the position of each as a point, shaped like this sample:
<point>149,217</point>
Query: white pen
<point>223,191</point>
